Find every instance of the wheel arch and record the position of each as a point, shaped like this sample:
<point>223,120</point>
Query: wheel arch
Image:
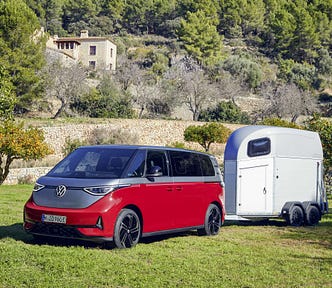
<point>221,209</point>
<point>288,206</point>
<point>137,211</point>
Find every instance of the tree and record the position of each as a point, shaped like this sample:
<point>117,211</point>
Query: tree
<point>19,143</point>
<point>207,134</point>
<point>21,51</point>
<point>65,83</point>
<point>287,100</point>
<point>7,97</point>
<point>200,38</point>
<point>324,128</point>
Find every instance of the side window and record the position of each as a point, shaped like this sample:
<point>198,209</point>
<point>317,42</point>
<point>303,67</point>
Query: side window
<point>259,147</point>
<point>136,168</point>
<point>157,158</point>
<point>185,164</point>
<point>206,164</point>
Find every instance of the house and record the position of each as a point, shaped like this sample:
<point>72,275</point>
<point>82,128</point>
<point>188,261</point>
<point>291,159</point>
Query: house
<point>97,53</point>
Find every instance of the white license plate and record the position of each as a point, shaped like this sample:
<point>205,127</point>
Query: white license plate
<point>54,219</point>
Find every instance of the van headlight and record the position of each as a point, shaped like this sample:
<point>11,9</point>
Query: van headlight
<point>37,187</point>
<point>103,190</point>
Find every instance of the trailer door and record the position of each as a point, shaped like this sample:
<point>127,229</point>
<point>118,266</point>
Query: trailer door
<point>255,187</point>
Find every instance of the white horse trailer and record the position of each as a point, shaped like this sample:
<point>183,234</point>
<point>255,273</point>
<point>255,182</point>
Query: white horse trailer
<point>274,172</point>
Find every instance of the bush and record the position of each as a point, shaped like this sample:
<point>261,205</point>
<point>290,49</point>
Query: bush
<point>279,122</point>
<point>71,145</point>
<point>225,111</point>
<point>116,136</point>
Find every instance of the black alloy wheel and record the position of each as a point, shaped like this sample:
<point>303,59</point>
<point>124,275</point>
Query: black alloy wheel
<point>212,221</point>
<point>127,229</point>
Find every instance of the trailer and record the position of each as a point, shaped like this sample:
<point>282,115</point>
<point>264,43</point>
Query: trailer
<point>274,172</point>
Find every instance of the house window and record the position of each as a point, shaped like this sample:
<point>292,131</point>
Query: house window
<point>111,52</point>
<point>92,65</point>
<point>93,50</point>
<point>71,45</point>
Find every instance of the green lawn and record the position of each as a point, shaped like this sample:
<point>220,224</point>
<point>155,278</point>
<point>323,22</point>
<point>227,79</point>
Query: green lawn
<point>271,255</point>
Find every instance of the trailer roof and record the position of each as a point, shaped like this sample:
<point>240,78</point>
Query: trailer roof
<point>287,142</point>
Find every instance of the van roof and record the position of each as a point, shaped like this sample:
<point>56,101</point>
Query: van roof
<point>135,147</point>
<point>288,142</point>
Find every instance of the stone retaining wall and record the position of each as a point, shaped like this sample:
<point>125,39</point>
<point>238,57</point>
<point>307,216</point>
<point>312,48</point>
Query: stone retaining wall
<point>147,132</point>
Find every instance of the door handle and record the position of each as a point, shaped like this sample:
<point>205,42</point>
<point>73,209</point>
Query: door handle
<point>169,189</point>
<point>179,188</point>
<point>264,191</point>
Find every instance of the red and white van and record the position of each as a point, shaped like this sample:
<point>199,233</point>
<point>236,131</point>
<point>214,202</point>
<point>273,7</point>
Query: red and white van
<point>119,193</point>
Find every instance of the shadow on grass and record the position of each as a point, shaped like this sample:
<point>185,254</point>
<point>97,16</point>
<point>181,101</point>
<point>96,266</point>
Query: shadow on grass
<point>14,231</point>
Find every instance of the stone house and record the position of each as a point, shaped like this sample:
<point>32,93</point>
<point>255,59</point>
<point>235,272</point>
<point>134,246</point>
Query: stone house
<point>97,53</point>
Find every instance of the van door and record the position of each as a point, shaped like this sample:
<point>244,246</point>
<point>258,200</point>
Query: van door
<point>255,187</point>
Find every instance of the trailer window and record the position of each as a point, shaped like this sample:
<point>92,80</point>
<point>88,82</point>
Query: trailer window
<point>259,147</point>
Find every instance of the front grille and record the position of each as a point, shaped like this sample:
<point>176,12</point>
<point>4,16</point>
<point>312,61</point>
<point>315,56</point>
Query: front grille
<point>57,230</point>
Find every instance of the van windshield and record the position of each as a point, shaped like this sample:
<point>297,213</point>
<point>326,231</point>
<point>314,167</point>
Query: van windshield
<point>93,163</point>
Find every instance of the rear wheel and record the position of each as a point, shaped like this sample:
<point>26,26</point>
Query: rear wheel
<point>212,221</point>
<point>312,215</point>
<point>127,229</point>
<point>296,216</point>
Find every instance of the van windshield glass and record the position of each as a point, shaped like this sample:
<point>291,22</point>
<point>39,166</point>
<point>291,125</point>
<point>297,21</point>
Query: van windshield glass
<point>93,163</point>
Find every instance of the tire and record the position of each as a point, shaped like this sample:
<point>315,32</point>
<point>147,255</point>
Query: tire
<point>127,229</point>
<point>212,222</point>
<point>296,216</point>
<point>312,215</point>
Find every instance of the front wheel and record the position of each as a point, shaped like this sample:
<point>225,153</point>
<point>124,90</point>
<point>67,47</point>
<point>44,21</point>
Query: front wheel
<point>212,221</point>
<point>127,229</point>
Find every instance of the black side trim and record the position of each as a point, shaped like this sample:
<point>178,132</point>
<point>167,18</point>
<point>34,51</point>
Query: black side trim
<point>163,232</point>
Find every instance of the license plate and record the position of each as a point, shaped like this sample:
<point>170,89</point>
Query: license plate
<point>54,219</point>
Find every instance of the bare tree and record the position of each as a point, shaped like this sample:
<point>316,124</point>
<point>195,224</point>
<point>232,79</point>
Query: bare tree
<point>287,100</point>
<point>64,82</point>
<point>192,85</point>
<point>230,87</point>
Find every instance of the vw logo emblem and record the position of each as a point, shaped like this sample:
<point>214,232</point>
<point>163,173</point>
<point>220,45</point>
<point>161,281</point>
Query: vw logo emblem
<point>60,191</point>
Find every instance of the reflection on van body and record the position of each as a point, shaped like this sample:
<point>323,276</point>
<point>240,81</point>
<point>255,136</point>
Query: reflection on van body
<point>118,194</point>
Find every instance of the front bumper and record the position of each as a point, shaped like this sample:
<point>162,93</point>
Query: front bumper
<point>94,223</point>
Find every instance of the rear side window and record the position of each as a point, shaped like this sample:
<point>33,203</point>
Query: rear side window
<point>259,147</point>
<point>185,164</point>
<point>207,167</point>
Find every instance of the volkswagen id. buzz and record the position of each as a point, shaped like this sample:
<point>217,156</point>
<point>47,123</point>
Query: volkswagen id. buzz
<point>120,193</point>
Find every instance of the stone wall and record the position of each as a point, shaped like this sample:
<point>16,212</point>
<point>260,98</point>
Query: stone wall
<point>147,132</point>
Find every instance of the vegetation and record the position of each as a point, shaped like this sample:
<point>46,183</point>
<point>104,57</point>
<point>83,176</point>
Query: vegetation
<point>274,256</point>
<point>324,128</point>
<point>225,111</point>
<point>19,143</point>
<point>207,134</point>
<point>273,49</point>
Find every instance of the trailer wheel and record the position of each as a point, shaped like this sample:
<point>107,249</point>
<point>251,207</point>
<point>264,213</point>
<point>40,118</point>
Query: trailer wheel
<point>212,221</point>
<point>295,216</point>
<point>312,215</point>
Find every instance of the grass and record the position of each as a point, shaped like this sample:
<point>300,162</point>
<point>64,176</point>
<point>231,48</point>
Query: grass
<point>270,255</point>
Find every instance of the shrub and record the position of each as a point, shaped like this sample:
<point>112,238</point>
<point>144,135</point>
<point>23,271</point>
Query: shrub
<point>225,111</point>
<point>71,145</point>
<point>279,122</point>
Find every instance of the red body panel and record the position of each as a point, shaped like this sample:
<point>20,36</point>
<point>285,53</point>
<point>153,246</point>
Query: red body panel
<point>163,206</point>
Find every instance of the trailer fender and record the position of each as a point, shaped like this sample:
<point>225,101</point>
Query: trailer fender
<point>293,213</point>
<point>313,213</point>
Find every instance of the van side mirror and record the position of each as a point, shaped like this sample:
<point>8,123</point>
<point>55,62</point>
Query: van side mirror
<point>155,171</point>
